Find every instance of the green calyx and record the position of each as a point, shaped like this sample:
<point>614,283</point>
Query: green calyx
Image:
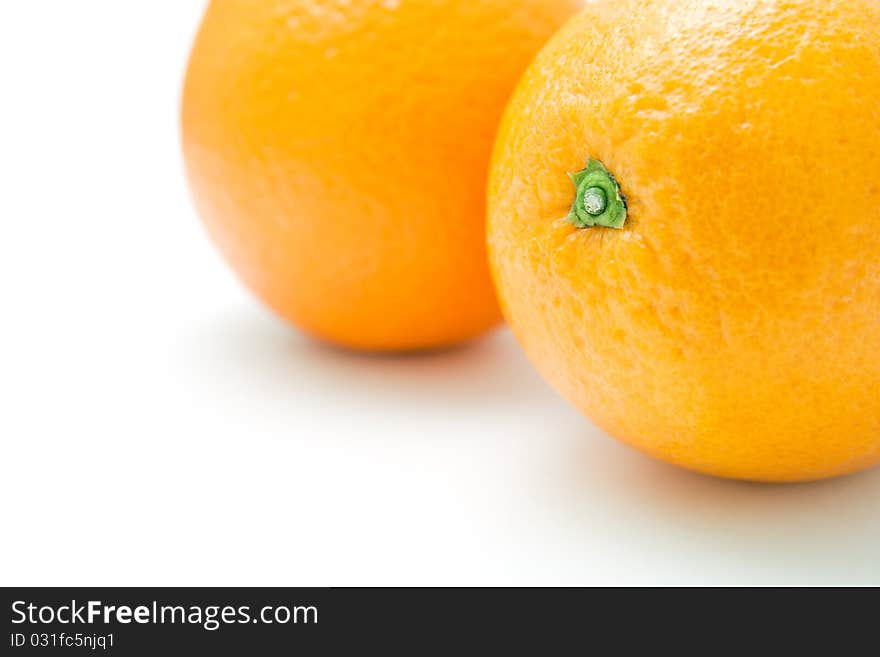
<point>598,201</point>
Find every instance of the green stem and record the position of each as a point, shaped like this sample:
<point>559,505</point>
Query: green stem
<point>598,199</point>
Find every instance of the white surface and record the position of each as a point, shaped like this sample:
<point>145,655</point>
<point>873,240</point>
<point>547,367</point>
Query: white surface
<point>158,427</point>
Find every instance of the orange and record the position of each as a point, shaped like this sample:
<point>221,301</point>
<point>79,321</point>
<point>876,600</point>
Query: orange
<point>731,324</point>
<point>338,153</point>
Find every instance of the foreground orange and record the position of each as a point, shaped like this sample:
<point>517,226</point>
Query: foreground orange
<point>730,323</point>
<point>338,154</point>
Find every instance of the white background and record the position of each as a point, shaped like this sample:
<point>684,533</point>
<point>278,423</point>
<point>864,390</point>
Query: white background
<point>158,427</point>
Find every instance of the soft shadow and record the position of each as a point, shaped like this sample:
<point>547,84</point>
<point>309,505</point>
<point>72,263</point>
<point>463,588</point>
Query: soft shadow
<point>567,476</point>
<point>267,354</point>
<point>825,532</point>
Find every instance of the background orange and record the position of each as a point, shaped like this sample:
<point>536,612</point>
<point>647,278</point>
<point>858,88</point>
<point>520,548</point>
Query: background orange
<point>338,154</point>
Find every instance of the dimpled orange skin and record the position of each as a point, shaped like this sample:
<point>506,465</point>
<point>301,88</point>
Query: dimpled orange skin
<point>338,155</point>
<point>732,327</point>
